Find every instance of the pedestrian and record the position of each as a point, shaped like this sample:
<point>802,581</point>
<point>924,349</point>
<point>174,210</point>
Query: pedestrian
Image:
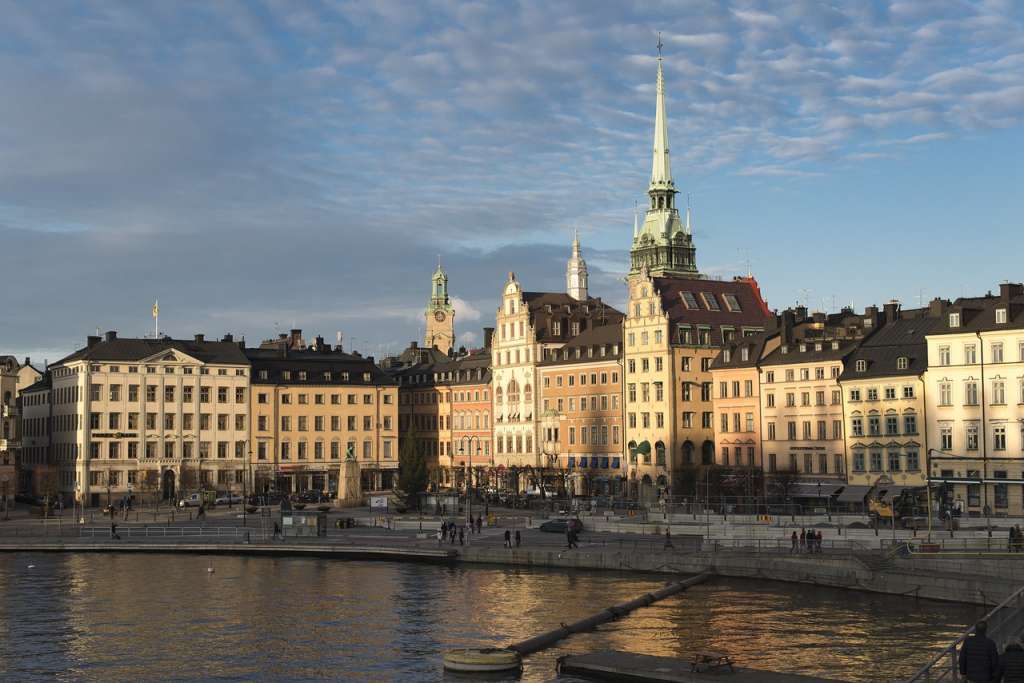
<point>440,537</point>
<point>803,539</point>
<point>1012,541</point>
<point>277,530</point>
<point>1020,539</point>
<point>479,523</point>
<point>1011,665</point>
<point>794,541</point>
<point>668,538</point>
<point>444,527</point>
<point>113,530</point>
<point>462,535</point>
<point>979,658</point>
<point>508,538</point>
<point>519,539</point>
<point>568,538</point>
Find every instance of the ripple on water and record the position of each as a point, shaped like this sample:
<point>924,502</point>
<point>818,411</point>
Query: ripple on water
<point>156,618</point>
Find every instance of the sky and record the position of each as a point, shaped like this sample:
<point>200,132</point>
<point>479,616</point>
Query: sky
<point>262,164</point>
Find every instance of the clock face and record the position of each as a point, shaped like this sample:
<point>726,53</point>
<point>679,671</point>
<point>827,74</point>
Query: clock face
<point>439,316</point>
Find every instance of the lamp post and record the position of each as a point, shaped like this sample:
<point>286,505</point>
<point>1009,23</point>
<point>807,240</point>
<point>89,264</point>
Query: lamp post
<point>6,504</point>
<point>463,440</point>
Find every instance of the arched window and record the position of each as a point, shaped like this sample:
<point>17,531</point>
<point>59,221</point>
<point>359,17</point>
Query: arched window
<point>513,392</point>
<point>528,393</point>
<point>659,454</point>
<point>497,396</point>
<point>687,452</point>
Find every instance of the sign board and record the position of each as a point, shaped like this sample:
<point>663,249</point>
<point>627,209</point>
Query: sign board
<point>378,502</point>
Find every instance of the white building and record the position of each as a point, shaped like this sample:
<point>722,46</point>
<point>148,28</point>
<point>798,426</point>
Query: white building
<point>975,404</point>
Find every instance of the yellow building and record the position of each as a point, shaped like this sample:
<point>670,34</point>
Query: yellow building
<point>737,401</point>
<point>15,377</point>
<point>310,409</point>
<point>884,407</point>
<point>149,417</point>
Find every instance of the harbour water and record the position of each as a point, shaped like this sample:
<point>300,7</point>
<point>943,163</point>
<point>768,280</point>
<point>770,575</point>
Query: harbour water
<point>166,617</point>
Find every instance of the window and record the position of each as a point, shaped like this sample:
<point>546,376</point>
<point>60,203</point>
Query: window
<point>998,392</point>
<point>972,437</point>
<point>876,461</point>
<point>945,394</point>
<point>890,393</point>
<point>689,300</point>
<point>970,354</point>
<point>892,425</point>
<point>894,461</point>
<point>732,303</point>
<point>857,426</point>
<point>999,439</point>
<point>771,431</point>
<point>872,394</point>
<point>710,301</point>
<point>1001,490</point>
<point>902,363</point>
<point>954,320</point>
<point>222,394</point>
<point>971,393</point>
<point>943,355</point>
<point>858,461</point>
<point>854,394</point>
<point>908,391</point>
<point>1000,316</point>
<point>910,423</point>
<point>946,437</point>
<point>874,425</point>
<point>913,461</point>
<point>862,366</point>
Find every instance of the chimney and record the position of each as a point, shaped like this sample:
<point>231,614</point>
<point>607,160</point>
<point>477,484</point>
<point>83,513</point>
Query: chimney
<point>28,361</point>
<point>937,307</point>
<point>296,335</point>
<point>200,338</point>
<point>91,341</point>
<point>1008,290</point>
<point>818,317</point>
<point>788,321</point>
<point>228,337</point>
<point>488,337</point>
<point>801,313</point>
<point>319,342</point>
<point>413,344</point>
<point>110,336</point>
<point>871,317</point>
<point>892,311</point>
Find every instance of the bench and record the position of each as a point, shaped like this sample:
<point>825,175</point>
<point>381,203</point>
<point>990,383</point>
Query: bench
<point>707,661</point>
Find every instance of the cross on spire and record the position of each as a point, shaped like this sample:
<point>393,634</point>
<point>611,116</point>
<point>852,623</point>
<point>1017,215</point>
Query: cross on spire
<point>660,44</point>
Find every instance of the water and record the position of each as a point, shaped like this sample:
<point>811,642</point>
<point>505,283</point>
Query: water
<point>165,617</point>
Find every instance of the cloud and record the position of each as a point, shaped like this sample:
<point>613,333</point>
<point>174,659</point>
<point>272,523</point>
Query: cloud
<point>464,311</point>
<point>914,139</point>
<point>776,170</point>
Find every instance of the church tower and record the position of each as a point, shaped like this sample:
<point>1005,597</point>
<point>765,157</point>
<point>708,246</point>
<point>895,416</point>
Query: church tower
<point>576,272</point>
<point>440,315</point>
<point>663,245</point>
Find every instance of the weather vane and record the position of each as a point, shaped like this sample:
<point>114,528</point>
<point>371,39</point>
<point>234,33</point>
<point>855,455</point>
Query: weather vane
<point>660,44</point>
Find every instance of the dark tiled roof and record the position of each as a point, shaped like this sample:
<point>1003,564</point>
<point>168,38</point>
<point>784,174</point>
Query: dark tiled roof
<point>608,337</point>
<point>978,314</point>
<point>42,384</point>
<point>755,347</point>
<point>707,294</point>
<point>548,307</point>
<point>903,338</point>
<point>810,353</point>
<point>448,372</point>
<point>128,350</point>
<point>314,363</point>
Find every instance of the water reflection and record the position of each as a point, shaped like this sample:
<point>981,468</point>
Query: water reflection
<point>149,618</point>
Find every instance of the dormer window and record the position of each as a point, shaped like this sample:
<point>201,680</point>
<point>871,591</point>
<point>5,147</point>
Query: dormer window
<point>902,363</point>
<point>726,355</point>
<point>803,348</point>
<point>817,346</point>
<point>744,354</point>
<point>868,322</point>
<point>954,320</point>
<point>862,366</point>
<point>1000,316</point>
<point>784,349</point>
<point>835,345</point>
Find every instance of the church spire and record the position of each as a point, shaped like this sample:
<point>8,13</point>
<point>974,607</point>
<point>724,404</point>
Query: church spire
<point>576,272</point>
<point>661,168</point>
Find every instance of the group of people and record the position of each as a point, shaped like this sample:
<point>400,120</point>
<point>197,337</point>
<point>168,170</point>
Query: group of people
<point>451,530</point>
<point>808,541</point>
<point>508,538</point>
<point>980,661</point>
<point>1016,543</point>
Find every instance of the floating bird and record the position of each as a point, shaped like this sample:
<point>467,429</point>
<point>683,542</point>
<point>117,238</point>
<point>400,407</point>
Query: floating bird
<point>31,566</point>
<point>209,570</point>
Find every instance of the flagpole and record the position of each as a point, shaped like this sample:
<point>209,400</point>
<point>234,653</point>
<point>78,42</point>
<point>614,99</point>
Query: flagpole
<point>156,319</point>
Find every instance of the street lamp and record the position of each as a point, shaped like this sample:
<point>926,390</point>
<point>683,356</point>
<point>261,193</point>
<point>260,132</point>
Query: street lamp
<point>462,451</point>
<point>6,503</point>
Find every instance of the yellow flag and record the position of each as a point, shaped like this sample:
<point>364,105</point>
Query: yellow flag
<point>156,308</point>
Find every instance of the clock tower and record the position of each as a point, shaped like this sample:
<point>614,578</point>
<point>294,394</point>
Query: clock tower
<point>440,315</point>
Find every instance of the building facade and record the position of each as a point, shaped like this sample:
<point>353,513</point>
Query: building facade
<point>15,377</point>
<point>314,408</point>
<point>149,417</point>
<point>975,404</point>
<point>439,314</point>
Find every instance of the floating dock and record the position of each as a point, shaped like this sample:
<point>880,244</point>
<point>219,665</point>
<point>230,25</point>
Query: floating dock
<point>625,666</point>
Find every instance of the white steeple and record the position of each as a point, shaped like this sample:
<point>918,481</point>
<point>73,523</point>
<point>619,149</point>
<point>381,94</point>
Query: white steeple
<point>636,222</point>
<point>688,229</point>
<point>576,272</point>
<point>661,168</point>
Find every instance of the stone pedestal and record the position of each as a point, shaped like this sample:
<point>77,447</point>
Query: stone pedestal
<point>350,490</point>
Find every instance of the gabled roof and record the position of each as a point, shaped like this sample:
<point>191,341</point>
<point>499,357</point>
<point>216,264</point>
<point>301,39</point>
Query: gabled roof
<point>978,314</point>
<point>608,337</point>
<point>697,302</point>
<point>549,307</point>
<point>755,347</point>
<point>314,363</point>
<point>902,338</point>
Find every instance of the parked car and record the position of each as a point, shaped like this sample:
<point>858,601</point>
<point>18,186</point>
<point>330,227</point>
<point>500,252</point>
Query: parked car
<point>228,499</point>
<point>271,498</point>
<point>561,525</point>
<point>310,496</point>
<point>192,500</point>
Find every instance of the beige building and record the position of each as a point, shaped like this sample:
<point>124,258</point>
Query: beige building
<point>884,406</point>
<point>313,407</point>
<point>975,404</point>
<point>149,417</point>
<point>581,414</point>
<point>530,326</point>
<point>736,382</point>
<point>15,377</point>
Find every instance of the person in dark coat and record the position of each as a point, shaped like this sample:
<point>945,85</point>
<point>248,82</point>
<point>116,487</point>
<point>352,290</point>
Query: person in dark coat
<point>462,535</point>
<point>1011,665</point>
<point>519,539</point>
<point>508,538</point>
<point>979,658</point>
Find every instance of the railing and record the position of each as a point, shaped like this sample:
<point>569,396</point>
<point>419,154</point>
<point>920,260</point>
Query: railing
<point>780,545</point>
<point>1005,623</point>
<point>990,546</point>
<point>218,532</point>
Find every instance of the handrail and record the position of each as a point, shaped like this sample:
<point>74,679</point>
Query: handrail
<point>925,672</point>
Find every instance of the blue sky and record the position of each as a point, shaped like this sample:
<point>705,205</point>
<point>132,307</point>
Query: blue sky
<point>260,164</point>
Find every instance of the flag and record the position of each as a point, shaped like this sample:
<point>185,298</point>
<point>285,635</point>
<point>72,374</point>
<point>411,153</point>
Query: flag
<point>156,308</point>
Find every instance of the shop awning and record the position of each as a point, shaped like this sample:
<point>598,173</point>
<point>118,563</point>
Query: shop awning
<point>812,489</point>
<point>853,494</point>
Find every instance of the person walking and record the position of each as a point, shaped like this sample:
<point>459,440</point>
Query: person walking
<point>519,539</point>
<point>440,537</point>
<point>277,531</point>
<point>1020,539</point>
<point>803,539</point>
<point>794,541</point>
<point>508,538</point>
<point>462,535</point>
<point>444,527</point>
<point>568,538</point>
<point>1012,540</point>
<point>479,524</point>
<point>668,538</point>
<point>979,658</point>
<point>113,530</point>
<point>1011,664</point>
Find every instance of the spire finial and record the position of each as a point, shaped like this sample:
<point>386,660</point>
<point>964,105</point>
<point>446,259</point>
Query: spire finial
<point>689,227</point>
<point>660,44</point>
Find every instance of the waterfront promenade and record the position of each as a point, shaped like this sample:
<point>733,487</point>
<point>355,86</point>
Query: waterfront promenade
<point>851,558</point>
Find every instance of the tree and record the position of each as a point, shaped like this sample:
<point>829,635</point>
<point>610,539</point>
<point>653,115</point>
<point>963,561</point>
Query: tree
<point>148,482</point>
<point>412,470</point>
<point>783,481</point>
